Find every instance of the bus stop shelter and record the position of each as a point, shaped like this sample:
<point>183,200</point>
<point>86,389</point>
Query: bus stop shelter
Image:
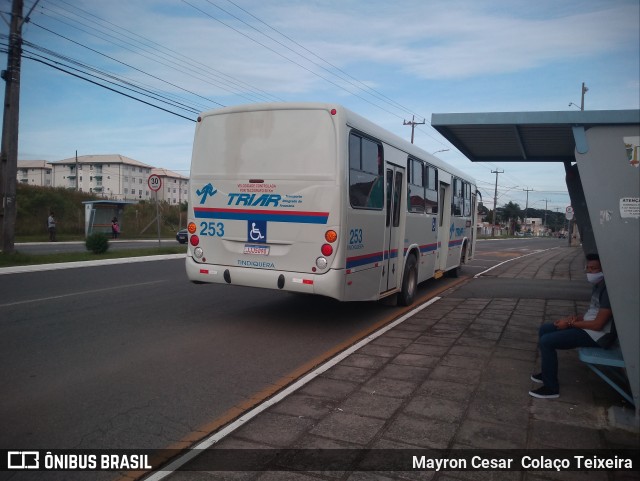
<point>99,213</point>
<point>600,153</point>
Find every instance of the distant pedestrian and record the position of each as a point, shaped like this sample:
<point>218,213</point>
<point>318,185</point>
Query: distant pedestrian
<point>51,225</point>
<point>115,228</point>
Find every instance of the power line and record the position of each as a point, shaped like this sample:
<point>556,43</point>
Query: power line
<point>362,86</point>
<point>127,65</point>
<point>155,54</point>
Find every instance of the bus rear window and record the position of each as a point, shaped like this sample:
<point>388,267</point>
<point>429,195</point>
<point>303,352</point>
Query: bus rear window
<point>284,144</point>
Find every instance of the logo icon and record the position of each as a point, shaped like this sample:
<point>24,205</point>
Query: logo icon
<point>23,460</point>
<point>257,231</point>
<point>207,190</point>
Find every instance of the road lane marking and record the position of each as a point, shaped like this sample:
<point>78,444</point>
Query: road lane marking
<point>241,413</point>
<point>75,265</point>
<point>92,291</point>
<point>509,260</point>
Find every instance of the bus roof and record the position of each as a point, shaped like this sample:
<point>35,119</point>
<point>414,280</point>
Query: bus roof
<point>352,119</point>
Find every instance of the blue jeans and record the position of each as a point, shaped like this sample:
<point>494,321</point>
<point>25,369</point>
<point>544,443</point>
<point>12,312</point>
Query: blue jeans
<point>551,339</point>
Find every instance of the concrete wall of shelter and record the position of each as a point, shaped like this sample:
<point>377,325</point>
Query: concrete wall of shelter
<point>611,184</point>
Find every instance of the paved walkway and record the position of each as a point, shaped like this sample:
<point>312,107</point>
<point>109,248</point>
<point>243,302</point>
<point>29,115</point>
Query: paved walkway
<point>453,375</point>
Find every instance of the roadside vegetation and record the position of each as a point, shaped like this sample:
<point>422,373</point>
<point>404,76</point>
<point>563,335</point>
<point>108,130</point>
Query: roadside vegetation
<point>137,222</point>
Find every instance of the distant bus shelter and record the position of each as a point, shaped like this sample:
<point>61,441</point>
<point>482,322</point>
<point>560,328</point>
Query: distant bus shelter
<point>599,150</point>
<point>98,215</point>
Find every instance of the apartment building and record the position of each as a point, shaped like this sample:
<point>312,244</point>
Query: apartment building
<point>175,187</point>
<point>112,176</point>
<point>35,172</point>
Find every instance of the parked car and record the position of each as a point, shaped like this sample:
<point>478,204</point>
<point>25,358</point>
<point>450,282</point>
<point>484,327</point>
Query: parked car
<point>182,236</point>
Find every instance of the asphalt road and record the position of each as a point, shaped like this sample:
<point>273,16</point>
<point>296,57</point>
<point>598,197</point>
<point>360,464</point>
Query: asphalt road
<point>135,356</point>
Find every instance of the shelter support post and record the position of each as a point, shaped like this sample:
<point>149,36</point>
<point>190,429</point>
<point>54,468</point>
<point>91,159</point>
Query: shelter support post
<point>579,204</point>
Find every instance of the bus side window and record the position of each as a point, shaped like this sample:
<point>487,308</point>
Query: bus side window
<point>467,199</point>
<point>366,182</point>
<point>431,192</point>
<point>457,198</point>
<point>416,186</point>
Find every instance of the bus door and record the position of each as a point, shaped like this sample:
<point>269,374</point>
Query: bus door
<point>444,233</point>
<point>393,237</point>
<point>472,232</point>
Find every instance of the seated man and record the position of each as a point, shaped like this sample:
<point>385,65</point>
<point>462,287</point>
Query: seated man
<point>573,331</point>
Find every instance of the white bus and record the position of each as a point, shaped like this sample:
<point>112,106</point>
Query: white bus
<point>312,198</point>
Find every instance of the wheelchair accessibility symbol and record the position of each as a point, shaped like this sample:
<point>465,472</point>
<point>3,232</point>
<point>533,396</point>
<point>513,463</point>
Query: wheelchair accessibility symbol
<point>257,231</point>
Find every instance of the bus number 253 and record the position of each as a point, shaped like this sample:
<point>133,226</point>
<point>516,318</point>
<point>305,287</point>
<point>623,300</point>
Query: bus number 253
<point>212,229</point>
<point>355,236</point>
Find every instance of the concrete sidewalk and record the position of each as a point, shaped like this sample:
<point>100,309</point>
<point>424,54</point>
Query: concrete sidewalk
<point>454,375</point>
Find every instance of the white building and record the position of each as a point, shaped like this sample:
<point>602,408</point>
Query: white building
<point>35,172</point>
<point>112,176</point>
<point>534,225</point>
<point>175,187</point>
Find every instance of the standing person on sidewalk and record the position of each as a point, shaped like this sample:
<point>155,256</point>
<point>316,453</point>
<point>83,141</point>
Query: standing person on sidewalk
<point>593,329</point>
<point>51,225</point>
<point>115,228</point>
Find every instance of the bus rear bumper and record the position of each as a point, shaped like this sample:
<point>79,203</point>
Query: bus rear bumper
<point>330,283</point>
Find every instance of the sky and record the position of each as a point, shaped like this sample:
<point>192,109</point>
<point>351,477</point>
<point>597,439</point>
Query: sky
<point>383,59</point>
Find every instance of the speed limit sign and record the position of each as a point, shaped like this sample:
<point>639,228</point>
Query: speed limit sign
<point>569,213</point>
<point>155,182</point>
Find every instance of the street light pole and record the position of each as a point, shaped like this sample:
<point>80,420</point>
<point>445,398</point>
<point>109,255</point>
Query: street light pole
<point>585,89</point>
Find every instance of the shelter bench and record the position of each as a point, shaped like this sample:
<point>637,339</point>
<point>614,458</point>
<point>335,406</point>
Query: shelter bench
<point>604,363</point>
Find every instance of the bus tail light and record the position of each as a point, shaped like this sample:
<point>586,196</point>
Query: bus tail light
<point>194,240</point>
<point>331,236</point>
<point>191,227</point>
<point>326,250</point>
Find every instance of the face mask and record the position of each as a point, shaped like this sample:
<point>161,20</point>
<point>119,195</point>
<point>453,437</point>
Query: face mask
<point>595,277</point>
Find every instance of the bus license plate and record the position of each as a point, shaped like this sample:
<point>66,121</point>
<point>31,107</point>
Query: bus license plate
<point>256,250</point>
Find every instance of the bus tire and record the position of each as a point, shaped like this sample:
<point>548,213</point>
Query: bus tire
<point>409,282</point>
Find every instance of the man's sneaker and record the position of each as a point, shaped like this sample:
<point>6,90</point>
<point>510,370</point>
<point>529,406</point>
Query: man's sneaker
<point>544,393</point>
<point>537,378</point>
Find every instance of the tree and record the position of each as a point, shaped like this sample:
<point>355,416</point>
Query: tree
<point>511,212</point>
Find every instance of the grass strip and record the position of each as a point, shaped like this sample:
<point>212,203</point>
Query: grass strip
<point>20,259</point>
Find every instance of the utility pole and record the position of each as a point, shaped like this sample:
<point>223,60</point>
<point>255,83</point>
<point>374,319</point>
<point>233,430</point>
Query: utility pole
<point>413,124</point>
<point>77,176</point>
<point>585,89</point>
<point>10,121</point>
<point>526,209</point>
<point>495,201</point>
<point>544,224</point>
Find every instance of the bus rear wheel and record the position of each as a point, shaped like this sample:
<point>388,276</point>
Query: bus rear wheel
<point>409,282</point>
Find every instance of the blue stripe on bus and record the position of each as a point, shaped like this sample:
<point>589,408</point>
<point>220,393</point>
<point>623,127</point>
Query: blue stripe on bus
<point>360,261</point>
<point>429,248</point>
<point>263,215</point>
<point>390,254</point>
<point>364,260</point>
<point>455,243</point>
